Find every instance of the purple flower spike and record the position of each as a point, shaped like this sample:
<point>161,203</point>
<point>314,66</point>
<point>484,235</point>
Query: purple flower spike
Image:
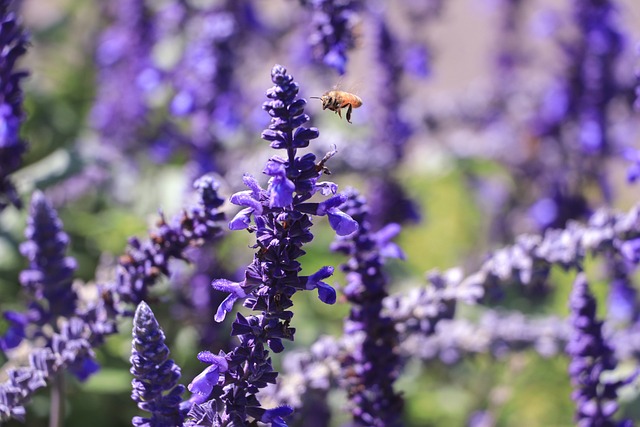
<point>281,217</point>
<point>13,44</point>
<point>334,23</point>
<point>155,382</point>
<point>372,367</point>
<point>590,356</point>
<point>49,277</point>
<point>120,112</point>
<point>145,261</point>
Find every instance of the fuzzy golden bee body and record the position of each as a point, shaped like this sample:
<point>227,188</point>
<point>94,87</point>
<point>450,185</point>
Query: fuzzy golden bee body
<point>336,100</point>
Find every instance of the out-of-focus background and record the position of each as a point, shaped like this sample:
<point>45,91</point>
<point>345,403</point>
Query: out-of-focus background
<point>463,163</point>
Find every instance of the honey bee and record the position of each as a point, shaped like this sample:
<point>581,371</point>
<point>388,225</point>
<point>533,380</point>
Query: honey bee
<point>336,100</point>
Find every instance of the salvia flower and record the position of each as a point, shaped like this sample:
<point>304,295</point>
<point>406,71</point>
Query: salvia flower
<point>13,44</point>
<point>495,332</point>
<point>387,199</point>
<point>15,330</point>
<point>374,366</point>
<point>307,378</point>
<point>280,216</point>
<point>155,382</point>
<point>633,170</point>
<point>206,93</point>
<point>144,262</point>
<point>67,349</point>
<point>47,280</point>
<point>596,57</point>
<point>333,22</point>
<point>50,273</point>
<point>590,355</point>
<point>392,130</point>
<point>125,74</point>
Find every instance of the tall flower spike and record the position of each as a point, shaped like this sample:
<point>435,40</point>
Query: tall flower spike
<point>145,261</point>
<point>124,72</point>
<point>50,272</point>
<point>155,382</point>
<point>387,199</point>
<point>374,365</point>
<point>49,277</point>
<point>590,356</point>
<point>334,23</point>
<point>207,94</point>
<point>280,216</point>
<point>13,42</point>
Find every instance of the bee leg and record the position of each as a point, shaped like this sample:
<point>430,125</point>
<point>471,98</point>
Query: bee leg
<point>349,113</point>
<point>339,112</point>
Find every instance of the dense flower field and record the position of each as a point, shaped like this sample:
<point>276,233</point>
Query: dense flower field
<point>319,213</point>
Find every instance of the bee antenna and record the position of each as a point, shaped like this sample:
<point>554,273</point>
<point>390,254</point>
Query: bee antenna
<point>315,97</point>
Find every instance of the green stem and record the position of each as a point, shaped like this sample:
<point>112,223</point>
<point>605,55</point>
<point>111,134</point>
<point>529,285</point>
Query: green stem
<point>57,401</point>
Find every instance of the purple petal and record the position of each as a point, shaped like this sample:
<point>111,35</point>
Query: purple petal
<point>342,223</point>
<point>325,292</point>
<point>274,416</point>
<point>226,306</point>
<point>281,192</point>
<point>203,384</point>
<point>251,182</point>
<point>247,198</point>
<point>327,187</point>
<point>242,219</point>
<point>333,202</point>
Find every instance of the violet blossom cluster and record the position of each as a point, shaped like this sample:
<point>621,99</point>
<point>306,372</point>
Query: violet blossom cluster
<point>374,365</point>
<point>334,25</point>
<point>62,330</point>
<point>206,93</point>
<point>47,282</point>
<point>69,347</point>
<point>225,393</point>
<point>144,262</point>
<point>13,44</point>
<point>388,200</point>
<point>591,356</point>
<point>125,75</point>
<point>155,376</point>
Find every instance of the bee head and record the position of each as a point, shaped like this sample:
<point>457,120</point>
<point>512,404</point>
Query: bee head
<point>325,99</point>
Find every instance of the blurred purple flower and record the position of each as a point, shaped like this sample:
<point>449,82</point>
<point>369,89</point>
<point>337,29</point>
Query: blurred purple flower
<point>68,348</point>
<point>632,155</point>
<point>125,74</point>
<point>13,44</point>
<point>590,357</point>
<point>374,365</point>
<point>15,331</point>
<point>49,277</point>
<point>145,261</point>
<point>333,23</point>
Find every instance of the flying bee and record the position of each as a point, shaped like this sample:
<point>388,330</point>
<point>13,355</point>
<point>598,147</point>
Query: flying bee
<point>336,100</point>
